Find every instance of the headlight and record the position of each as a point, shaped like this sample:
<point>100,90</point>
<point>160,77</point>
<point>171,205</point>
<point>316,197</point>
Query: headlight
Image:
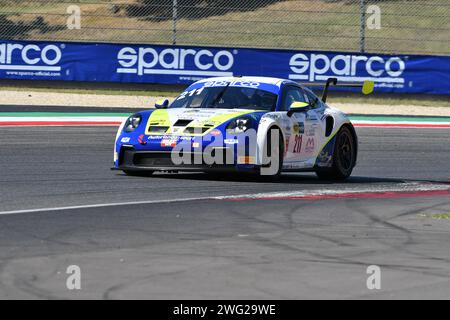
<point>132,123</point>
<point>239,125</point>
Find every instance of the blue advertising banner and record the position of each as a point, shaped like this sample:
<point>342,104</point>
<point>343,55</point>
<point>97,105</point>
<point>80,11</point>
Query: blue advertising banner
<point>183,65</point>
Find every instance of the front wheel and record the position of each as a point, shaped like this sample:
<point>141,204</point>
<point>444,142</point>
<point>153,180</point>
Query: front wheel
<point>272,155</point>
<point>344,157</point>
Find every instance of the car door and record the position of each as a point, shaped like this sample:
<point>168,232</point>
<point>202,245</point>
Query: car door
<point>304,138</point>
<point>314,129</point>
<point>314,126</point>
<point>295,127</point>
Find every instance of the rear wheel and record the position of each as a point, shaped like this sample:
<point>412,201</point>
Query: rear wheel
<point>344,157</point>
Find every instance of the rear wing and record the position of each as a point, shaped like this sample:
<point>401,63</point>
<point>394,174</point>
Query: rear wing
<point>366,86</point>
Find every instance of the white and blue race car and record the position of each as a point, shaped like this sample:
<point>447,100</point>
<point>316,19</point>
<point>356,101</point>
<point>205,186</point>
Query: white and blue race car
<point>244,124</point>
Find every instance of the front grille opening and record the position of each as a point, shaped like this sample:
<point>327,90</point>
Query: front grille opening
<point>157,129</point>
<point>160,159</point>
<point>182,123</point>
<point>164,159</point>
<point>126,156</point>
<point>152,159</point>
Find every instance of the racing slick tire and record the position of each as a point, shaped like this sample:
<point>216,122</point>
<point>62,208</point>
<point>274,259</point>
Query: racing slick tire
<point>275,150</point>
<point>137,173</point>
<point>344,157</point>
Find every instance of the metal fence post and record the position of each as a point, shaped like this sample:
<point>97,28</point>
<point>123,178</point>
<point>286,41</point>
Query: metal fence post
<point>174,21</point>
<point>362,27</point>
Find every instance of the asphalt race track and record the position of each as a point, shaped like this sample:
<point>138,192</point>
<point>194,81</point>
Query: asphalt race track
<point>175,236</point>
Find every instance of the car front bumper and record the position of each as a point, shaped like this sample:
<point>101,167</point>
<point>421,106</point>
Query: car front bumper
<point>134,160</point>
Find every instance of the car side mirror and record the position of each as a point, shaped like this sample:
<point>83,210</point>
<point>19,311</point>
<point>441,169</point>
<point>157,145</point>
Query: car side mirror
<point>298,107</point>
<point>162,104</point>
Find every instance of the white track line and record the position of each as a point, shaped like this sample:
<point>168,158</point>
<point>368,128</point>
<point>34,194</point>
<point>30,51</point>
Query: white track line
<point>103,205</point>
<point>406,187</point>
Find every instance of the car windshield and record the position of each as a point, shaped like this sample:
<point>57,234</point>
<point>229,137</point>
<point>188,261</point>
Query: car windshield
<point>226,97</point>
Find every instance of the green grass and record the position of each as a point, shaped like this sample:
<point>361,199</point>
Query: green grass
<point>407,26</point>
<point>441,216</point>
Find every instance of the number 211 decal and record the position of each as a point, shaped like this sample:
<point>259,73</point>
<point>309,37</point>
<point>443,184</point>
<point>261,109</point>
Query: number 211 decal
<point>298,143</point>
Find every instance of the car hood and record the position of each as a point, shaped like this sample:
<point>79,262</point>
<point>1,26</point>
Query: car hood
<point>190,121</point>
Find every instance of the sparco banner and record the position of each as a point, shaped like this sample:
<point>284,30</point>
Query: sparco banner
<point>183,65</point>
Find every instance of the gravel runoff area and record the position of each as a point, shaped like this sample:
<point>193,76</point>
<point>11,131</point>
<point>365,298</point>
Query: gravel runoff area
<point>143,102</point>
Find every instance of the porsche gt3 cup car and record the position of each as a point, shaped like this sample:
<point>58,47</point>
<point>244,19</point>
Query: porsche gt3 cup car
<point>244,124</point>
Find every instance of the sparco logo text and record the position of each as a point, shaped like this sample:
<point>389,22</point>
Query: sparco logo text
<point>171,61</point>
<point>31,57</point>
<point>319,67</point>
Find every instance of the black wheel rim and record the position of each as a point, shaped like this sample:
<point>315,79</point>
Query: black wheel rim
<point>345,151</point>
